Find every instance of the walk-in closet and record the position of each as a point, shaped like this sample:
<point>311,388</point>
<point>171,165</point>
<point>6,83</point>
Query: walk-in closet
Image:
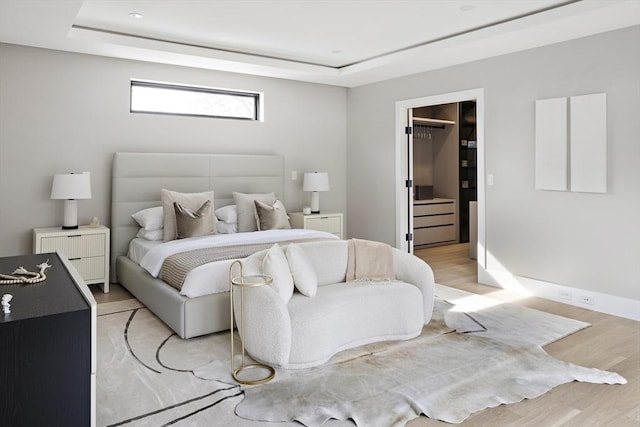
<point>444,173</point>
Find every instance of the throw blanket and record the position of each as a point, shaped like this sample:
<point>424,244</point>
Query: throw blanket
<point>176,267</point>
<point>369,261</point>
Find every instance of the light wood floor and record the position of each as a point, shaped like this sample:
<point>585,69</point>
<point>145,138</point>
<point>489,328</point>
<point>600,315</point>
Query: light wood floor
<point>611,343</point>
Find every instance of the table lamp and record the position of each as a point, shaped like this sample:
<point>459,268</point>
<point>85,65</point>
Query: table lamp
<point>315,182</point>
<point>70,187</point>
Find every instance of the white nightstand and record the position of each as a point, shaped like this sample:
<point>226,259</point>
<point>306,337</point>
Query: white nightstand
<point>329,222</point>
<point>86,247</point>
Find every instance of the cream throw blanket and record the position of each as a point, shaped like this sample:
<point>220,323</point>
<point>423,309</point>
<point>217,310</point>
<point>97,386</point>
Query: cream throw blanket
<point>369,261</point>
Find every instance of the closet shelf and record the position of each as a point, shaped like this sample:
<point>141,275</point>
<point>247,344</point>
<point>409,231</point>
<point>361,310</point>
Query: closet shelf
<point>430,121</point>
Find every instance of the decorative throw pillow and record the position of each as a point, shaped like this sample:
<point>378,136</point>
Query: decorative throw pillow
<point>193,224</point>
<point>271,217</point>
<point>154,235</point>
<point>275,265</point>
<point>228,214</point>
<point>150,218</point>
<point>305,278</point>
<point>247,209</point>
<point>191,201</point>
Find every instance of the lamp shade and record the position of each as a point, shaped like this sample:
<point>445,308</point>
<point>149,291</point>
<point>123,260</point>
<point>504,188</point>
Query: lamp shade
<point>71,186</point>
<point>316,181</point>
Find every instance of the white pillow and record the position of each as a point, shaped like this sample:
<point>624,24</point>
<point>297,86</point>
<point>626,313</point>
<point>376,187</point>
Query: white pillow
<point>275,265</point>
<point>150,218</point>
<point>228,214</point>
<point>150,234</point>
<point>226,227</point>
<point>305,278</point>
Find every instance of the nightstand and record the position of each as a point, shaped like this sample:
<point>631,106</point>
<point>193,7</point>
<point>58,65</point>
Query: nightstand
<point>86,247</point>
<point>329,222</point>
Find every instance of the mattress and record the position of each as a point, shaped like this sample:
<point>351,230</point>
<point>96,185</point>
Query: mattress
<point>211,278</point>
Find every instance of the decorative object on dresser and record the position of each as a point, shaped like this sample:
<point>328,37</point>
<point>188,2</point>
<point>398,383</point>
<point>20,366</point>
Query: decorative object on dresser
<point>70,187</point>
<point>87,248</point>
<point>48,341</point>
<point>329,222</point>
<point>21,276</point>
<point>315,182</point>
<point>434,221</point>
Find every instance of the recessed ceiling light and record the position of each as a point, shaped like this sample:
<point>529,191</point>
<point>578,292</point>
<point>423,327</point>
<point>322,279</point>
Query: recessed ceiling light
<point>136,15</point>
<point>466,7</point>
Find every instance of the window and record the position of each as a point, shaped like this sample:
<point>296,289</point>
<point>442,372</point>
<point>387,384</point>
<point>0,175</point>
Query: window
<point>167,98</point>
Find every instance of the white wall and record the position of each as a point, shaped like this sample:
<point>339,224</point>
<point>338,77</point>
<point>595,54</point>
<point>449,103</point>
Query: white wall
<point>585,241</point>
<point>64,112</point>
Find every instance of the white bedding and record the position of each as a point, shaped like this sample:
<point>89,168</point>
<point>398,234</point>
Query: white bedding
<point>138,248</point>
<point>213,277</point>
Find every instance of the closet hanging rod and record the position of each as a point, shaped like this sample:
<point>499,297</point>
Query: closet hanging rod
<point>428,126</point>
<point>428,121</point>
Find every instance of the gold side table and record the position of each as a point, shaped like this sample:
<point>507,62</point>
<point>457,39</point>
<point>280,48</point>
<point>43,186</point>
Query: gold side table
<point>242,281</point>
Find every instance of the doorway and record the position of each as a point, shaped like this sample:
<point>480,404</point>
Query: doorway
<point>404,165</point>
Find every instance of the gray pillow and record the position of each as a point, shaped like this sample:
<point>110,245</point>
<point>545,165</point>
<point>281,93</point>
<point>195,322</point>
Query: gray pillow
<point>271,217</point>
<point>193,224</point>
<point>191,201</point>
<point>247,209</point>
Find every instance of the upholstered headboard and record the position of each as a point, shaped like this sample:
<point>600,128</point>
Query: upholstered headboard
<point>137,179</point>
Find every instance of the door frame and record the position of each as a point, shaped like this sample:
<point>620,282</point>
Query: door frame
<point>404,206</point>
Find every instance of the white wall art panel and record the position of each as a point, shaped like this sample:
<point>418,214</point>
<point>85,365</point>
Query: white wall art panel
<point>551,144</point>
<point>588,143</point>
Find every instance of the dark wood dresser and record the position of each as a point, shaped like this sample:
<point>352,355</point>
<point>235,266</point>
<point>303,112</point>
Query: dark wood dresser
<point>47,347</point>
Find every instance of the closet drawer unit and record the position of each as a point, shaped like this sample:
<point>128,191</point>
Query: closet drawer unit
<point>434,208</point>
<point>75,245</point>
<point>433,220</point>
<point>445,233</point>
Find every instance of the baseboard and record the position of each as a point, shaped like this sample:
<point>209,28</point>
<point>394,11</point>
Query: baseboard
<point>591,300</point>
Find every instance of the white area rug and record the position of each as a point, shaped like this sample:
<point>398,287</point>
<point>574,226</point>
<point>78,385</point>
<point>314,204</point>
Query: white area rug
<point>149,376</point>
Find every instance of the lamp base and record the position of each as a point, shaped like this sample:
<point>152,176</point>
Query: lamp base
<point>70,215</point>
<point>315,202</point>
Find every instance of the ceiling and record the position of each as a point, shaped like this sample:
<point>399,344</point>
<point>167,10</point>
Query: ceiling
<point>338,42</point>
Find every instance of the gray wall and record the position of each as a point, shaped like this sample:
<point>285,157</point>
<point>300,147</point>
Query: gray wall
<point>65,112</point>
<point>586,241</point>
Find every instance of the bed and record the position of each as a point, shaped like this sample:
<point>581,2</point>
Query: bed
<point>137,180</point>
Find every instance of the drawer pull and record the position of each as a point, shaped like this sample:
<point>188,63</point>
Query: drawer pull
<point>74,259</point>
<point>75,235</point>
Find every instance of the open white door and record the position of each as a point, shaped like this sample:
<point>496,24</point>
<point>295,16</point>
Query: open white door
<point>409,180</point>
<point>404,166</point>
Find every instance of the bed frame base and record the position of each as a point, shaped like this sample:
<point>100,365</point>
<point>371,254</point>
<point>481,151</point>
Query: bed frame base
<point>188,317</point>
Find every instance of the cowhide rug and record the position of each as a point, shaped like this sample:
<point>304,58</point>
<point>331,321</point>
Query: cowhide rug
<point>476,353</point>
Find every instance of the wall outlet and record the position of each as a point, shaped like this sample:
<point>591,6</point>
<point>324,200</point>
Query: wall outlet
<point>566,295</point>
<point>586,299</point>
